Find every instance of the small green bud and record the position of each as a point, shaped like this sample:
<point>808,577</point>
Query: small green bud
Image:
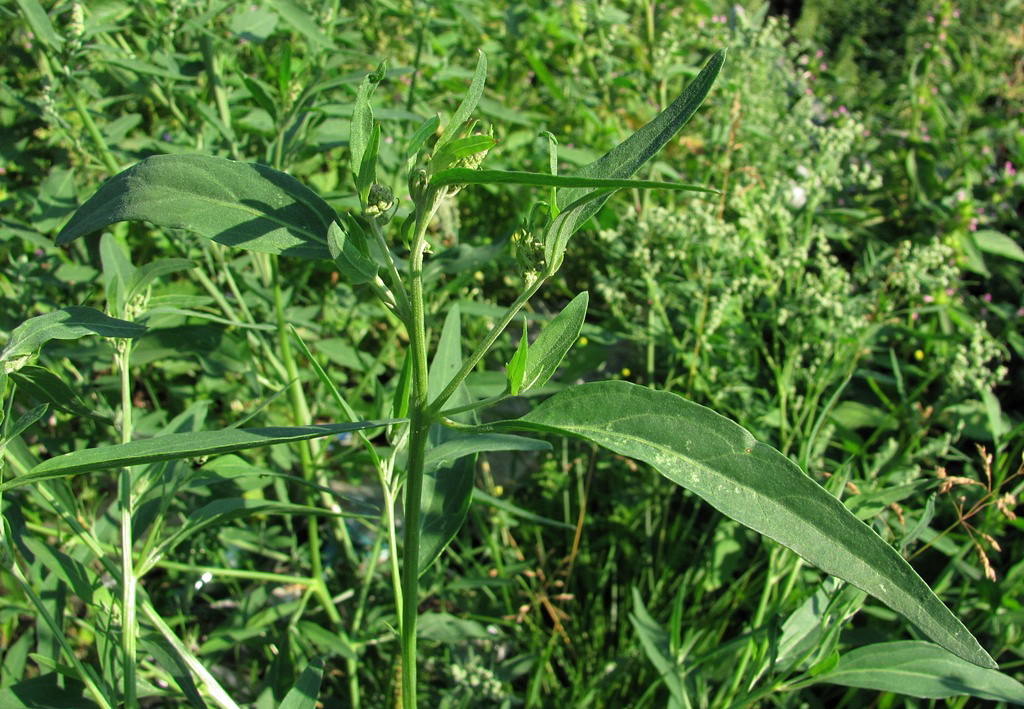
<point>380,201</point>
<point>418,187</point>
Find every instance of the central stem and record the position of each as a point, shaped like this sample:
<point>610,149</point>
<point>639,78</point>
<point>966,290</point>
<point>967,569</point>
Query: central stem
<point>419,425</point>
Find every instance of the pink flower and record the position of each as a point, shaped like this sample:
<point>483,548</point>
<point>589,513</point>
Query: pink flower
<point>1009,169</point>
<point>987,297</point>
<point>929,298</point>
<point>819,54</point>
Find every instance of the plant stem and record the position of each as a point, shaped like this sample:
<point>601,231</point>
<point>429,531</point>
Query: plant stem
<point>484,346</point>
<point>419,424</point>
<point>126,503</point>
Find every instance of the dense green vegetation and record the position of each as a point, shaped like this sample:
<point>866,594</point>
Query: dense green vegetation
<point>849,293</point>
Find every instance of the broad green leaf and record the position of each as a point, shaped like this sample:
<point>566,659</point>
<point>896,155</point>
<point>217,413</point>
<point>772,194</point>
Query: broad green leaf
<point>627,157</point>
<point>923,670</point>
<point>68,323</point>
<point>361,130</point>
<point>554,341</point>
<point>468,105</point>
<point>515,370</point>
<point>465,176</point>
<point>306,691</point>
<point>347,245</point>
<point>994,242</point>
<point>755,485</point>
<point>176,446</point>
<point>40,23</point>
<point>246,205</point>
<point>448,481</point>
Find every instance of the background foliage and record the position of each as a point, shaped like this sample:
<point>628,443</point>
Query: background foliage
<point>852,298</point>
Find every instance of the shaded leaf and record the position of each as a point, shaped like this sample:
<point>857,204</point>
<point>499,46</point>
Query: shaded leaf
<point>448,480</point>
<point>176,446</point>
<point>923,670</point>
<point>68,323</point>
<point>347,245</point>
<point>755,485</point>
<point>246,205</point>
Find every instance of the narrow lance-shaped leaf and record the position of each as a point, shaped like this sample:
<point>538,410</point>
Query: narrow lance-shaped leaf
<point>361,130</point>
<point>246,205</point>
<point>627,157</point>
<point>46,386</point>
<point>554,342</point>
<point>468,105</point>
<point>516,367</point>
<point>753,484</point>
<point>923,670</point>
<point>68,323</point>
<point>177,446</point>
<point>465,176</point>
<point>306,691</point>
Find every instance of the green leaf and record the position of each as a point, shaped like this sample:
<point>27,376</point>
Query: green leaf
<point>176,446</point>
<point>999,244</point>
<point>755,485</point>
<point>307,688</point>
<point>554,342</point>
<point>347,245</point>
<point>465,176</point>
<point>221,511</point>
<point>416,141</point>
<point>460,446</point>
<point>68,323</point>
<point>456,150</point>
<point>468,105</point>
<point>361,130</point>
<point>40,23</point>
<point>303,23</point>
<point>515,370</point>
<point>923,670</point>
<point>246,205</point>
<point>625,159</point>
<point>21,423</point>
<point>145,275</point>
<point>655,642</point>
<point>448,481</point>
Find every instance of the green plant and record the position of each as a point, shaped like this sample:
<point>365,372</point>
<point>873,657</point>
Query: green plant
<point>432,433</point>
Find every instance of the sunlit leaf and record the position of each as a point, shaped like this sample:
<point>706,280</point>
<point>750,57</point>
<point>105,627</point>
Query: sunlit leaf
<point>753,484</point>
<point>246,205</point>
